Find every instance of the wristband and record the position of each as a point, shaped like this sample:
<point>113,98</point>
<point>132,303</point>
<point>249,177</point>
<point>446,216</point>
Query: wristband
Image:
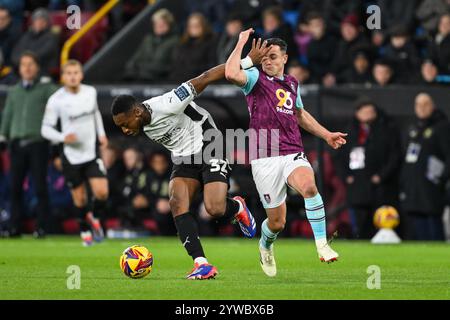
<point>246,63</point>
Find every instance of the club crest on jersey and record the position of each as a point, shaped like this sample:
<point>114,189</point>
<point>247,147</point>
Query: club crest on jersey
<point>267,197</point>
<point>181,92</point>
<point>285,102</point>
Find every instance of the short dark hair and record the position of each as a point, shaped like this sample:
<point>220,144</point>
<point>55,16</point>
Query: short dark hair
<point>123,104</point>
<point>31,55</point>
<point>277,42</point>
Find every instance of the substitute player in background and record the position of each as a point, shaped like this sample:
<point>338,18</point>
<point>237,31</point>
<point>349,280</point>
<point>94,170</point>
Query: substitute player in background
<point>75,105</point>
<point>275,105</point>
<point>176,122</point>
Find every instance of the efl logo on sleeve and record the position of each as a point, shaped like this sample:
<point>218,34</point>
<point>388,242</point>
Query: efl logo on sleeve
<point>182,93</point>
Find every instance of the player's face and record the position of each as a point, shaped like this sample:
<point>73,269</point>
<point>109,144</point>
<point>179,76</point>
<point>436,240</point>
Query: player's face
<point>130,123</point>
<point>72,76</point>
<point>273,63</point>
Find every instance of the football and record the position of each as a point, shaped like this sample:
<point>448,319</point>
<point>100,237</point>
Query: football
<point>386,217</point>
<point>136,261</point>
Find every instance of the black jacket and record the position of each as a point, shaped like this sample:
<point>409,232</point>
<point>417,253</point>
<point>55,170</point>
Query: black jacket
<point>426,165</point>
<point>381,156</point>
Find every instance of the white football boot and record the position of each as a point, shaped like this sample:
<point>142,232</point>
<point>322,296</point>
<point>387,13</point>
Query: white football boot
<point>326,254</point>
<point>267,261</point>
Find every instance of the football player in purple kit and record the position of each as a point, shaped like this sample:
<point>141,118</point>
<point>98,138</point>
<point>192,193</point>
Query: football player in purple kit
<point>276,110</point>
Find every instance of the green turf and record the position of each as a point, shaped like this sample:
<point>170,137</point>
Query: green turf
<point>36,269</point>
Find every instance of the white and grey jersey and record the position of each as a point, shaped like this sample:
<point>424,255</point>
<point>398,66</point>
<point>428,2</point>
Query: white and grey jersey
<point>79,114</point>
<point>177,122</point>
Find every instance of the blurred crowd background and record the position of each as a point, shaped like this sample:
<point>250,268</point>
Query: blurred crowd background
<point>329,45</point>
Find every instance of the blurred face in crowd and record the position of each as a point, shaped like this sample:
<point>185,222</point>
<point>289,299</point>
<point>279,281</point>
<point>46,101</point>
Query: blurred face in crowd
<point>57,163</point>
<point>399,41</point>
<point>382,74</point>
<point>194,27</point>
<point>361,63</point>
<point>377,39</point>
<point>349,32</point>
<point>28,68</point>
<point>5,19</point>
<point>424,106</point>
<point>159,164</point>
<point>39,24</point>
<point>316,28</point>
<point>160,26</point>
<point>131,158</point>
<point>300,73</point>
<point>233,27</point>
<point>270,23</point>
<point>444,25</point>
<point>274,61</point>
<point>429,71</point>
<point>366,114</point>
<point>72,75</point>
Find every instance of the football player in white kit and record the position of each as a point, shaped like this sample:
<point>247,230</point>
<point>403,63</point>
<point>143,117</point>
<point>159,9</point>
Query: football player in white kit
<point>176,122</point>
<point>75,105</point>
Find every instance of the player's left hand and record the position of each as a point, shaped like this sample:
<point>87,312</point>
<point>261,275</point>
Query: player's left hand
<point>103,141</point>
<point>336,139</point>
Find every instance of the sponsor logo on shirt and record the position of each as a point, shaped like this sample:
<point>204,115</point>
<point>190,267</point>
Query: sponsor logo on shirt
<point>285,102</point>
<point>182,93</point>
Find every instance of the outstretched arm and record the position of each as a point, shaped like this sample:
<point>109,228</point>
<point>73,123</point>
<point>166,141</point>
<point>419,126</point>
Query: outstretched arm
<point>310,124</point>
<point>202,81</point>
<point>233,71</point>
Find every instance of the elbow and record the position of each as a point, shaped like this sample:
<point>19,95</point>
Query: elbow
<point>230,75</point>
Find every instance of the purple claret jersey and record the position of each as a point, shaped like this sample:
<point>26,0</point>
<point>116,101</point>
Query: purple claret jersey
<point>272,104</point>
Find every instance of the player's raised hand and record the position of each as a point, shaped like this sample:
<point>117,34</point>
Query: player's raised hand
<point>258,51</point>
<point>336,139</point>
<point>244,35</point>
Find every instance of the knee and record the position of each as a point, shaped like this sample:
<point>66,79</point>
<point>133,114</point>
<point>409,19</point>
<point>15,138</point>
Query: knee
<point>177,206</point>
<point>308,189</point>
<point>277,225</point>
<point>101,194</point>
<point>215,208</point>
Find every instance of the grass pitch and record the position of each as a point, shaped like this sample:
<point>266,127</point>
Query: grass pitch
<point>36,269</point>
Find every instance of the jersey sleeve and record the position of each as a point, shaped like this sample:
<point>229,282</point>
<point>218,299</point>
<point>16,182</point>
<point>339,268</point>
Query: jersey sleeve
<point>174,101</point>
<point>252,77</point>
<point>298,101</point>
<point>98,119</point>
<point>49,122</point>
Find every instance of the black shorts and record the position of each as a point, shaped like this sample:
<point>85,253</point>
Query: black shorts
<point>76,174</point>
<point>212,170</point>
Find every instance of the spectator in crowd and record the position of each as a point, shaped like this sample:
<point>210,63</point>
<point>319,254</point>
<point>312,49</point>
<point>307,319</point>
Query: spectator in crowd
<point>302,38</point>
<point>440,47</point>
<point>382,72</point>
<point>371,159</point>
<point>360,71</point>
<point>251,10</point>
<point>402,52</point>
<point>197,50</point>
<point>300,72</point>
<point>397,12</point>
<point>229,38</point>
<point>7,75</point>
<point>16,10</point>
<point>378,41</point>
<point>158,192</point>
<point>352,37</point>
<point>320,49</point>
<point>429,12</point>
<point>9,34</point>
<point>426,168</point>
<point>429,72</point>
<point>21,125</point>
<point>134,188</point>
<point>275,27</point>
<point>152,60</point>
<point>40,40</point>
